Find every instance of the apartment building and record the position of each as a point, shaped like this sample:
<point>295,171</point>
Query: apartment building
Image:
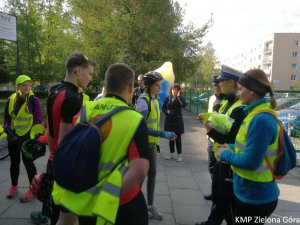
<point>276,54</point>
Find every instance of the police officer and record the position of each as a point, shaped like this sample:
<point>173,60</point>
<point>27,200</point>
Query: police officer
<point>222,187</point>
<point>214,104</point>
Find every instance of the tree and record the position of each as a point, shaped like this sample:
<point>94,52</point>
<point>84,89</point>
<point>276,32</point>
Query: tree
<point>4,72</point>
<point>143,34</point>
<point>207,66</point>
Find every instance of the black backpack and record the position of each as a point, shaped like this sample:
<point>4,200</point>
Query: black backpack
<point>76,161</point>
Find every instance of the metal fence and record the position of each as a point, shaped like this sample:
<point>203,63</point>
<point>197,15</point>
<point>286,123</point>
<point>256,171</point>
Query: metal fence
<point>288,110</point>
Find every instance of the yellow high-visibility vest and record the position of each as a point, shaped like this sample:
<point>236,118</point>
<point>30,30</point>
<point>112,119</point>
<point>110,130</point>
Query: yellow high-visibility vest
<point>103,199</point>
<point>262,173</point>
<point>228,113</point>
<point>153,118</point>
<point>22,122</point>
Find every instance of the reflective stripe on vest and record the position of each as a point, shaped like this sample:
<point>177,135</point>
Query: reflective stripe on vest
<point>153,118</point>
<point>228,113</point>
<point>102,200</point>
<point>109,187</point>
<point>262,173</point>
<point>22,122</point>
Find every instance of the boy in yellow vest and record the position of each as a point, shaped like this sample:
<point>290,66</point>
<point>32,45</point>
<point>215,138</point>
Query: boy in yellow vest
<point>124,134</point>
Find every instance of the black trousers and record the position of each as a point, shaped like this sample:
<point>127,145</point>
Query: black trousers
<point>178,145</point>
<point>211,158</point>
<point>133,213</point>
<point>253,214</point>
<point>15,152</point>
<point>223,196</point>
<point>49,209</point>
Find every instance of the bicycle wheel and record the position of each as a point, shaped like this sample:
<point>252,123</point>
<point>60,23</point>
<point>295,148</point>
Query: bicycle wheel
<point>3,149</point>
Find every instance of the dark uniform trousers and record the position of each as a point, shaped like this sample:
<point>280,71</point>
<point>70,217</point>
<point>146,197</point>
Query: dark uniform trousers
<point>223,196</point>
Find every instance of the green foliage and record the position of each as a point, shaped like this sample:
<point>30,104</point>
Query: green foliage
<point>207,67</point>
<point>4,76</point>
<point>143,34</point>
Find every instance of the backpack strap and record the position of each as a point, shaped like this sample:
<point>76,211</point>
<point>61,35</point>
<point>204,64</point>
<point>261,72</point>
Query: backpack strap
<point>149,105</point>
<point>280,140</point>
<point>108,115</point>
<point>83,114</point>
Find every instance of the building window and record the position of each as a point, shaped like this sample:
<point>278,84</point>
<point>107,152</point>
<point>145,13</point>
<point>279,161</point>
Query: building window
<point>296,42</point>
<point>259,57</point>
<point>295,55</point>
<point>294,66</point>
<point>293,77</point>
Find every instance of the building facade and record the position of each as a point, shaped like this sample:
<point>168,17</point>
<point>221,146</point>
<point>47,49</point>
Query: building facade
<point>276,54</point>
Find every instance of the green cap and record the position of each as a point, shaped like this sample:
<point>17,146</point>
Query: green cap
<point>22,78</point>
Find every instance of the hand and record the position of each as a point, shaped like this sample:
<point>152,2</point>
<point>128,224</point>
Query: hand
<point>199,117</point>
<point>178,93</point>
<point>222,148</point>
<point>169,135</point>
<point>36,136</point>
<point>208,127</point>
<point>13,138</point>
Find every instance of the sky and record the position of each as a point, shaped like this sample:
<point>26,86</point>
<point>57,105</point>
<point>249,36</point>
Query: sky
<point>238,23</point>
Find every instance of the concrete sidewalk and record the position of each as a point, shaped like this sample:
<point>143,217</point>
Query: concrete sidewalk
<point>179,187</point>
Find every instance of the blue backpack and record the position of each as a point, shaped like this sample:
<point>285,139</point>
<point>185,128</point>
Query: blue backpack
<point>76,162</point>
<point>286,155</point>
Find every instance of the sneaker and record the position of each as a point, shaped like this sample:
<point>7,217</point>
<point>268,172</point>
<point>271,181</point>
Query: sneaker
<point>27,196</point>
<point>170,156</point>
<point>208,197</point>
<point>149,215</point>
<point>153,213</point>
<point>38,218</point>
<point>179,158</point>
<point>12,191</point>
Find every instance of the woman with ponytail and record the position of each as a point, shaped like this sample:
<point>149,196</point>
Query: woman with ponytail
<point>255,189</point>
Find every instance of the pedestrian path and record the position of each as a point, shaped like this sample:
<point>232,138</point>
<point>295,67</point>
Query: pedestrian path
<point>179,188</point>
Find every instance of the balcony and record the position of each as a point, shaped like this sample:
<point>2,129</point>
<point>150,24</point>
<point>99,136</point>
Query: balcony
<point>267,50</point>
<point>267,61</point>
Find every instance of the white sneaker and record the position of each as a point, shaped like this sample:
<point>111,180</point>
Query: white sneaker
<point>179,158</point>
<point>153,213</point>
<point>170,156</point>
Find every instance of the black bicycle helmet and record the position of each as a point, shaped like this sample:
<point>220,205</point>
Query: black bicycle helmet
<point>33,149</point>
<point>151,77</point>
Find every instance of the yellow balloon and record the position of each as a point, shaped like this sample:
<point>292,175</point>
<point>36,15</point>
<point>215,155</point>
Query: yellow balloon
<point>166,70</point>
